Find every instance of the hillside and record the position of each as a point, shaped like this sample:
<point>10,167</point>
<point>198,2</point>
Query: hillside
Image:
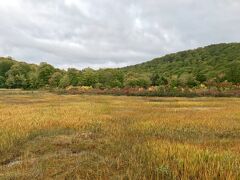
<point>215,64</point>
<point>211,60</point>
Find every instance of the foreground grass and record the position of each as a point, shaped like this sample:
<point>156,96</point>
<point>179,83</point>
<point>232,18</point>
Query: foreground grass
<point>104,137</point>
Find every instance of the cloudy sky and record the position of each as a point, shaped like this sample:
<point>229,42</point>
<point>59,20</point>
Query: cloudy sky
<point>112,33</point>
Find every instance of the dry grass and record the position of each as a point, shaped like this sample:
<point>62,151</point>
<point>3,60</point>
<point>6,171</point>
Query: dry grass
<point>105,137</point>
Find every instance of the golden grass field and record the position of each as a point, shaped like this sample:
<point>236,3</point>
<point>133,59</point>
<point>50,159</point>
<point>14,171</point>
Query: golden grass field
<point>47,136</point>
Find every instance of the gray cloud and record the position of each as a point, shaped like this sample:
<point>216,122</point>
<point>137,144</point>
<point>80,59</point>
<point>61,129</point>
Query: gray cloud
<point>107,33</point>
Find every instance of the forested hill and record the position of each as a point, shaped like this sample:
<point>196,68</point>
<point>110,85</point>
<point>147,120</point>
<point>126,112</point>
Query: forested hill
<point>192,68</point>
<point>210,60</point>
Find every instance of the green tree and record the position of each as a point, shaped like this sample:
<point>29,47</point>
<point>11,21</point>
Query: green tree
<point>64,82</point>
<point>110,78</point>
<point>188,80</point>
<point>17,76</point>
<point>201,77</point>
<point>55,79</point>
<point>2,82</point>
<point>18,81</point>
<point>73,75</point>
<point>174,81</point>
<point>137,80</point>
<point>88,77</point>
<point>33,80</point>
<point>45,72</point>
<point>5,65</point>
<point>158,80</point>
<point>233,74</point>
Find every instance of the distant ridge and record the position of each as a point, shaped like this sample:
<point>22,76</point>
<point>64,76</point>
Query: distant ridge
<point>210,60</point>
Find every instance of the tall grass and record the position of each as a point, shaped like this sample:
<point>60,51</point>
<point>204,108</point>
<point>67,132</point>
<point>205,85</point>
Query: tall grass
<point>44,136</point>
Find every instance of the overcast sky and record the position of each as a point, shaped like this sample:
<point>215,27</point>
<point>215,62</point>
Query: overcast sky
<point>112,33</point>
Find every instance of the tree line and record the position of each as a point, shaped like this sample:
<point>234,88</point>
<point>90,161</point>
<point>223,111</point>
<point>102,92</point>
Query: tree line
<point>14,74</point>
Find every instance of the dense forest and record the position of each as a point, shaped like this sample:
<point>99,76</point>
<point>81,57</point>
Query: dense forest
<point>214,64</point>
